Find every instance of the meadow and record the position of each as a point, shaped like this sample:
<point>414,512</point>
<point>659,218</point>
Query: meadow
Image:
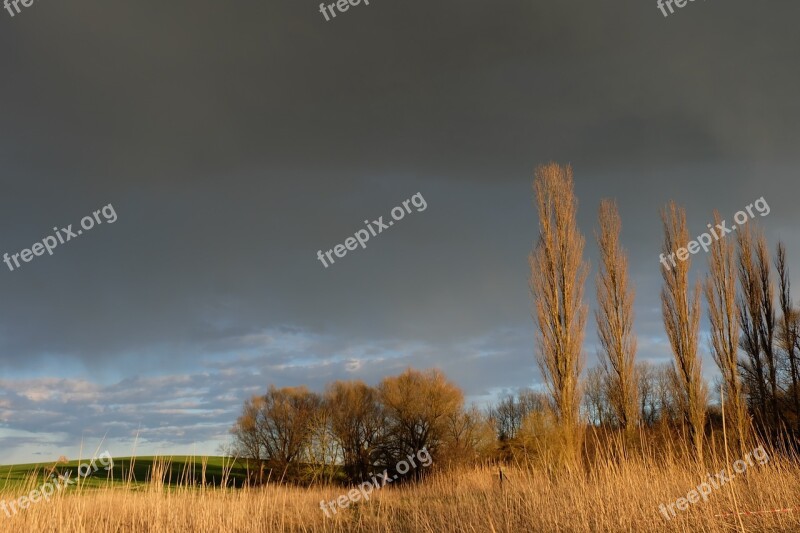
<point>605,493</point>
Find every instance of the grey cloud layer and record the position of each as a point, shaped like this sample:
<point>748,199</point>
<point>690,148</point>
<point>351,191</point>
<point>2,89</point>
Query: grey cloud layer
<point>199,407</point>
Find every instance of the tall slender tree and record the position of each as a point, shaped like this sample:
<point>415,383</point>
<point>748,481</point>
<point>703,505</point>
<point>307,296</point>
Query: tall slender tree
<point>760,327</point>
<point>720,291</point>
<point>615,321</point>
<point>768,325</point>
<point>681,312</point>
<point>558,274</point>
<point>789,329</point>
<point>753,368</point>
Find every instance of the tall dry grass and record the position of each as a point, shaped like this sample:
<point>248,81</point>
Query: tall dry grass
<point>607,495</point>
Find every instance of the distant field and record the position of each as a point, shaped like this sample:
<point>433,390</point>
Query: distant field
<point>177,470</point>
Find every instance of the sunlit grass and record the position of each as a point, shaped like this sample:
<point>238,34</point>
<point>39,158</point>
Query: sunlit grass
<point>608,495</point>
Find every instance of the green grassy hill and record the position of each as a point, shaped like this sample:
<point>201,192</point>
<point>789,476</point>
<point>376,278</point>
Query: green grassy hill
<point>176,470</point>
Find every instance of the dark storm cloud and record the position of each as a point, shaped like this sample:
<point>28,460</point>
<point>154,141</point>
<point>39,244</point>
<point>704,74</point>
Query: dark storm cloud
<point>235,140</point>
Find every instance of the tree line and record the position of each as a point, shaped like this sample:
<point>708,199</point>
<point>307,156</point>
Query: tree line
<point>352,429</point>
<point>754,327</point>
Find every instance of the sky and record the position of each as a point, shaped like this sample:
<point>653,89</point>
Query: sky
<point>232,141</point>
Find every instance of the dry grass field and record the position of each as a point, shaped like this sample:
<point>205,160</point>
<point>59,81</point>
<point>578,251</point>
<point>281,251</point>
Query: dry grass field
<point>608,496</point>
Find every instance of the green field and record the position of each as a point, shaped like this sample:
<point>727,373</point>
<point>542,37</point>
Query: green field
<point>127,471</point>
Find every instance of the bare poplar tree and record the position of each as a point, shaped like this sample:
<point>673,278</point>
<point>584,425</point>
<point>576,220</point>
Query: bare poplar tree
<point>759,325</point>
<point>615,321</point>
<point>789,327</point>
<point>720,291</point>
<point>681,320</point>
<point>768,324</point>
<point>558,273</point>
<point>753,368</point>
